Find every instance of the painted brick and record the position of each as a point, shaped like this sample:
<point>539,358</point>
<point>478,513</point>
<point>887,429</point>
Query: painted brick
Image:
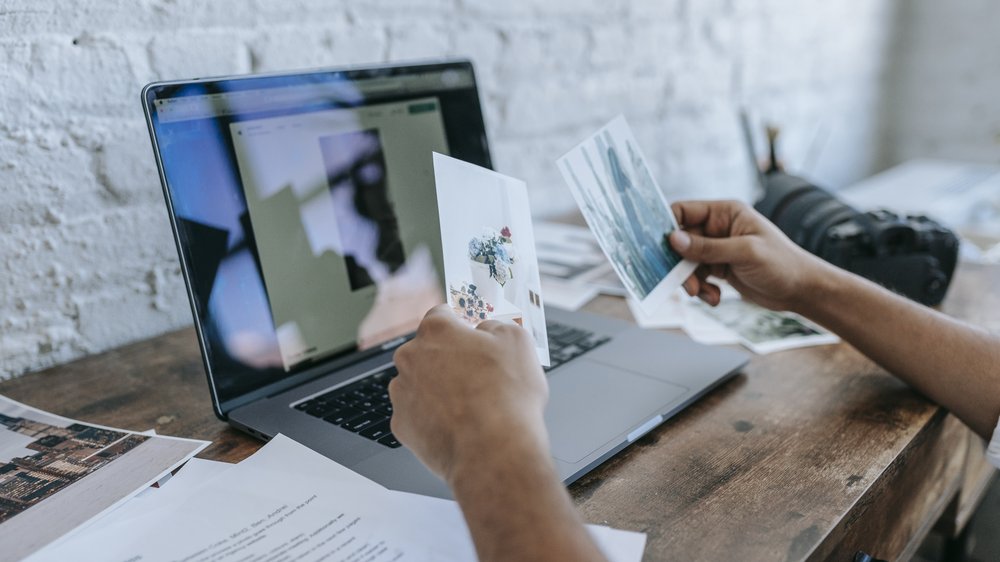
<point>86,256</point>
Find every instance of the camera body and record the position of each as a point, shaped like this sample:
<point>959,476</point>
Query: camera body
<point>911,255</point>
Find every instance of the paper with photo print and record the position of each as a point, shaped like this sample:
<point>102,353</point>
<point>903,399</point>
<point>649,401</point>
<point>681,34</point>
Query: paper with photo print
<point>626,210</point>
<point>58,473</point>
<point>490,264</point>
<point>766,331</point>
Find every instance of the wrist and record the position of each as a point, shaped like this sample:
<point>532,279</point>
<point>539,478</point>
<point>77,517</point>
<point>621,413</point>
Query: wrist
<point>818,288</point>
<point>491,452</point>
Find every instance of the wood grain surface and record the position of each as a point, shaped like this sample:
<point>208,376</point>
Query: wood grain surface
<point>807,454</point>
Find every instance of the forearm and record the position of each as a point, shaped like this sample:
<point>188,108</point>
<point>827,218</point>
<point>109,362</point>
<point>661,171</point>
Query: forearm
<point>952,363</point>
<point>517,508</point>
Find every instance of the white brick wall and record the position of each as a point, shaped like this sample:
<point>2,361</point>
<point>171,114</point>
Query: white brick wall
<point>944,96</point>
<point>86,257</point>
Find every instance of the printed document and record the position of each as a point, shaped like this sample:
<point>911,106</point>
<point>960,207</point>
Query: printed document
<point>287,502</point>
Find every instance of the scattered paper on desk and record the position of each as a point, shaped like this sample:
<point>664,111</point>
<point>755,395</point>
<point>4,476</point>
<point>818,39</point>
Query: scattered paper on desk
<point>567,296</point>
<point>191,477</point>
<point>57,473</point>
<point>289,502</point>
<point>671,313</point>
<point>490,268</point>
<point>573,267</point>
<point>568,253</point>
<point>766,331</point>
<point>733,321</point>
<point>424,516</point>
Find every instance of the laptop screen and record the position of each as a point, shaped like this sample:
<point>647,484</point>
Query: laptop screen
<point>305,211</point>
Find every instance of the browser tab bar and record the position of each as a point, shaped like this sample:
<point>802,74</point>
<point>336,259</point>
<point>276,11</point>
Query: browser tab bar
<point>347,92</point>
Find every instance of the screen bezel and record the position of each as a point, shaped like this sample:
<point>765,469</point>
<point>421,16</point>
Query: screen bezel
<point>162,89</point>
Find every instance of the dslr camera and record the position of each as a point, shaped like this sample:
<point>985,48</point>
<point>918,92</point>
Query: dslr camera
<point>911,255</point>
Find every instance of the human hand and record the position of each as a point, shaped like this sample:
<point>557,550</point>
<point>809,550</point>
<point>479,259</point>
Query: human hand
<point>468,393</point>
<point>734,242</point>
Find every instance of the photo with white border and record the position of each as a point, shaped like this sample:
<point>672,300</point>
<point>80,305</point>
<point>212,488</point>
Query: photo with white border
<point>490,264</point>
<point>624,207</point>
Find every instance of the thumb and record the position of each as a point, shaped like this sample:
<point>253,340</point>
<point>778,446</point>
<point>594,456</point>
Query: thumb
<point>707,250</point>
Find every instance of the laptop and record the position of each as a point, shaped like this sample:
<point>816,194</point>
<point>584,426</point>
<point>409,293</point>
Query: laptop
<point>304,210</point>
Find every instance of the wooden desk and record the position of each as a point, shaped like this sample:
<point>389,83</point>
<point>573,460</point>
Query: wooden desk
<point>807,455</point>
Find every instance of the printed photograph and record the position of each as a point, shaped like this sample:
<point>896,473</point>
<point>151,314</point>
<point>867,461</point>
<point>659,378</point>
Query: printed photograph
<point>626,210</point>
<point>490,266</point>
<point>766,331</point>
<point>57,473</point>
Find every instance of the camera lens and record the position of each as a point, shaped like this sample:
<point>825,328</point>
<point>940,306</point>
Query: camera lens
<point>804,212</point>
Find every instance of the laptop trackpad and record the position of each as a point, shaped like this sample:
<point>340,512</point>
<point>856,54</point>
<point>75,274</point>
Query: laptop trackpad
<point>591,403</point>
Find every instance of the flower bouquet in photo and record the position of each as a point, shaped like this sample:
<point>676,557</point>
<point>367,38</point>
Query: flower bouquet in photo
<point>467,303</point>
<point>488,248</point>
<point>492,261</point>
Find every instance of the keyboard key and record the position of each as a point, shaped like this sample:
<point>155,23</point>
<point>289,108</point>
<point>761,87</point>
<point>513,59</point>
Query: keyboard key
<point>589,344</point>
<point>362,421</point>
<point>367,405</point>
<point>390,441</point>
<point>377,431</point>
<point>342,415</point>
<point>362,407</point>
<point>320,409</point>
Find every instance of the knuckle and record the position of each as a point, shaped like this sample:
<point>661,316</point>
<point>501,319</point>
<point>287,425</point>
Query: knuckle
<point>736,205</point>
<point>487,325</point>
<point>754,248</point>
<point>513,332</point>
<point>436,324</point>
<point>699,247</point>
<point>402,357</point>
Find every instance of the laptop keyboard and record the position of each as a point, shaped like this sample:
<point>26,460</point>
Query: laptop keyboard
<point>363,407</point>
<point>567,343</point>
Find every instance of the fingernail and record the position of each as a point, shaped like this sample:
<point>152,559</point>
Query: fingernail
<point>680,240</point>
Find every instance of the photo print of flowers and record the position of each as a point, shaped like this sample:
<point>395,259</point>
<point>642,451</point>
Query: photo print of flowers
<point>491,271</point>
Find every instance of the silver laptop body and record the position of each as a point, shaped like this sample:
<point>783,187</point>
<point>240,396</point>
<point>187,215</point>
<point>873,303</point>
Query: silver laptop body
<point>296,200</point>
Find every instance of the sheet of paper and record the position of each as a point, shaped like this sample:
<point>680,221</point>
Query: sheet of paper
<point>566,295</point>
<point>573,267</point>
<point>289,502</point>
<point>284,501</point>
<point>490,268</point>
<point>424,516</point>
<point>189,479</point>
<point>568,253</point>
<point>766,331</point>
<point>626,211</point>
<point>58,473</point>
<point>733,321</point>
<point>670,314</point>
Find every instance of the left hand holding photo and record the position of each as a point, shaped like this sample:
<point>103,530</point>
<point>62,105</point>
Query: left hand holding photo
<point>461,391</point>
